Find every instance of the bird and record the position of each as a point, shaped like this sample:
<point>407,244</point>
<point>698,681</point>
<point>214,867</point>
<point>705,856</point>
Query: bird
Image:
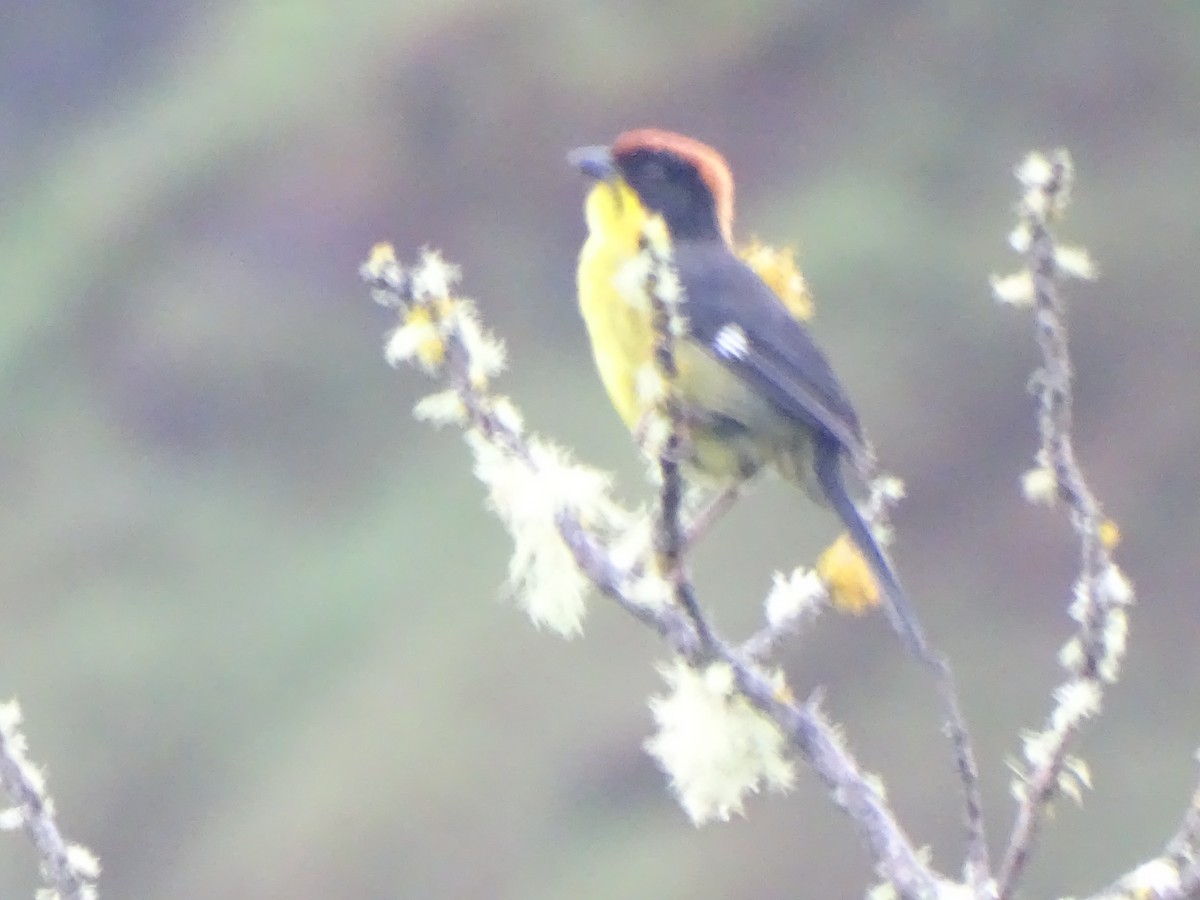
<point>755,391</point>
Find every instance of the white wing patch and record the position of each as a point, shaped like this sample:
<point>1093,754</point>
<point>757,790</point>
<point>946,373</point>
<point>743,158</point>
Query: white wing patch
<point>731,342</point>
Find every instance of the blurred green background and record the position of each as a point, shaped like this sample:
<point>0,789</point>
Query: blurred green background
<point>250,607</point>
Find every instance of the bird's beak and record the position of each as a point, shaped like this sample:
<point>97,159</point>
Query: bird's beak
<point>594,162</point>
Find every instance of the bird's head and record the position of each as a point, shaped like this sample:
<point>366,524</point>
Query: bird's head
<point>686,182</point>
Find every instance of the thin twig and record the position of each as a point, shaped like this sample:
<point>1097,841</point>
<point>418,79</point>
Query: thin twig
<point>1047,183</point>
<point>762,643</point>
<point>708,514</point>
<point>818,742</point>
<point>977,872</point>
<point>69,869</point>
<point>666,297</point>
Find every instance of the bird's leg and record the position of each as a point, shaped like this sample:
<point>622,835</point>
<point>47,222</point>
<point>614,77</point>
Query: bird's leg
<point>717,505</point>
<point>650,438</point>
<point>708,514</point>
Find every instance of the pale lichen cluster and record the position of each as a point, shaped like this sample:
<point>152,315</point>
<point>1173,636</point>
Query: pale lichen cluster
<point>715,746</point>
<point>794,597</point>
<point>527,495</point>
<point>531,481</point>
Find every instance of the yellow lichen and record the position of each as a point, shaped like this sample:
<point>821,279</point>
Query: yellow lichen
<point>430,347</point>
<point>778,269</point>
<point>1110,534</point>
<point>851,585</point>
<point>781,690</point>
<point>382,254</point>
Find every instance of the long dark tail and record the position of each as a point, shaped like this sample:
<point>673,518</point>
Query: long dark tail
<point>827,461</point>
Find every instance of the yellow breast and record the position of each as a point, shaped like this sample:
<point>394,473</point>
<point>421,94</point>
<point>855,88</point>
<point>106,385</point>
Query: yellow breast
<point>612,298</point>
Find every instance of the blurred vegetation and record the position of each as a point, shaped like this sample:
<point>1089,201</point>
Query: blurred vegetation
<point>250,605</point>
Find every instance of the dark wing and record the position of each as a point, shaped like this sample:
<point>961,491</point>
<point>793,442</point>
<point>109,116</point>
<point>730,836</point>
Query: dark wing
<point>747,328</point>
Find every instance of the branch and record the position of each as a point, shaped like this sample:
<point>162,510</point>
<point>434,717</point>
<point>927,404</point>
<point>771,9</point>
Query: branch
<point>1175,875</point>
<point>884,492</point>
<point>977,870</point>
<point>439,333</point>
<point>666,297</point>
<point>69,870</point>
<point>1092,657</point>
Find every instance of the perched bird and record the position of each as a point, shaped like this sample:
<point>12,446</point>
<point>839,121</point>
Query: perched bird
<point>756,391</point>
